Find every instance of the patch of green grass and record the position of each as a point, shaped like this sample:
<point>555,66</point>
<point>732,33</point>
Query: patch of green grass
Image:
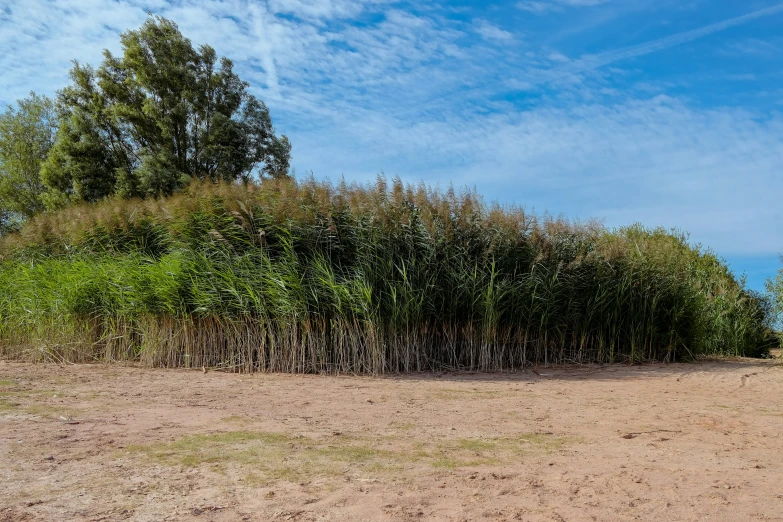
<point>50,411</point>
<point>22,393</point>
<point>267,456</point>
<point>447,463</point>
<point>349,453</point>
<point>519,444</point>
<point>472,452</point>
<point>263,457</point>
<point>233,447</point>
<point>237,419</point>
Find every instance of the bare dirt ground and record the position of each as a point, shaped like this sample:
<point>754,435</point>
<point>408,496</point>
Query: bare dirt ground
<point>662,442</point>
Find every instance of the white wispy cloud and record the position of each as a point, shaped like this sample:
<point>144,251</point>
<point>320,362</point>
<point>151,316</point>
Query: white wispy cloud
<point>543,6</point>
<point>754,47</point>
<point>598,60</point>
<point>490,31</point>
<point>567,71</point>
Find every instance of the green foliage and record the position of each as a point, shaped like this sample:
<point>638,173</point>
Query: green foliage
<point>311,277</point>
<point>148,121</point>
<point>26,135</point>
<point>775,291</point>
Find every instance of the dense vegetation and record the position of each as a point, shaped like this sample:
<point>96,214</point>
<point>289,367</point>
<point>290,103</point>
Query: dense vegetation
<point>311,277</point>
<point>143,124</point>
<point>775,303</point>
<point>27,133</point>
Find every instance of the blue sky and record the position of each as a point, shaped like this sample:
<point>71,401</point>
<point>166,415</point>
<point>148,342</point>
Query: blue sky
<point>664,112</point>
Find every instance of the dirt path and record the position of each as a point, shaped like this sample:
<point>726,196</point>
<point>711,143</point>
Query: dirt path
<point>664,442</point>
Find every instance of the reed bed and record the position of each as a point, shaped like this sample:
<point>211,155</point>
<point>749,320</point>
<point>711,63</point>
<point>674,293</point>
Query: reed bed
<point>381,278</point>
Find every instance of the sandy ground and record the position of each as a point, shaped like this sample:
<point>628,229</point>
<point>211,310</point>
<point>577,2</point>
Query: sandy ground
<point>663,442</point>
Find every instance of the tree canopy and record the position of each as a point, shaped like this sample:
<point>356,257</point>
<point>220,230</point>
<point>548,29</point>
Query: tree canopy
<point>146,122</point>
<point>27,132</point>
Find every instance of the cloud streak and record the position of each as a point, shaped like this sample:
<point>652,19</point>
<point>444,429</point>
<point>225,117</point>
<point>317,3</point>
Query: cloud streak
<point>606,58</point>
<point>542,6</point>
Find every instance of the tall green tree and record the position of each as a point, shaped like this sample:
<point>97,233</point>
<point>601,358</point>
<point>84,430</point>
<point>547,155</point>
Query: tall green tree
<point>27,133</point>
<point>146,122</point>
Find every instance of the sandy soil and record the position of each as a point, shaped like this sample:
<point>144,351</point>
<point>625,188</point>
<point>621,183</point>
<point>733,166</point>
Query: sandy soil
<point>663,442</point>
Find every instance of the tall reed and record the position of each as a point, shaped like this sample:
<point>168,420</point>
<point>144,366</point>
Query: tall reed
<point>311,277</point>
